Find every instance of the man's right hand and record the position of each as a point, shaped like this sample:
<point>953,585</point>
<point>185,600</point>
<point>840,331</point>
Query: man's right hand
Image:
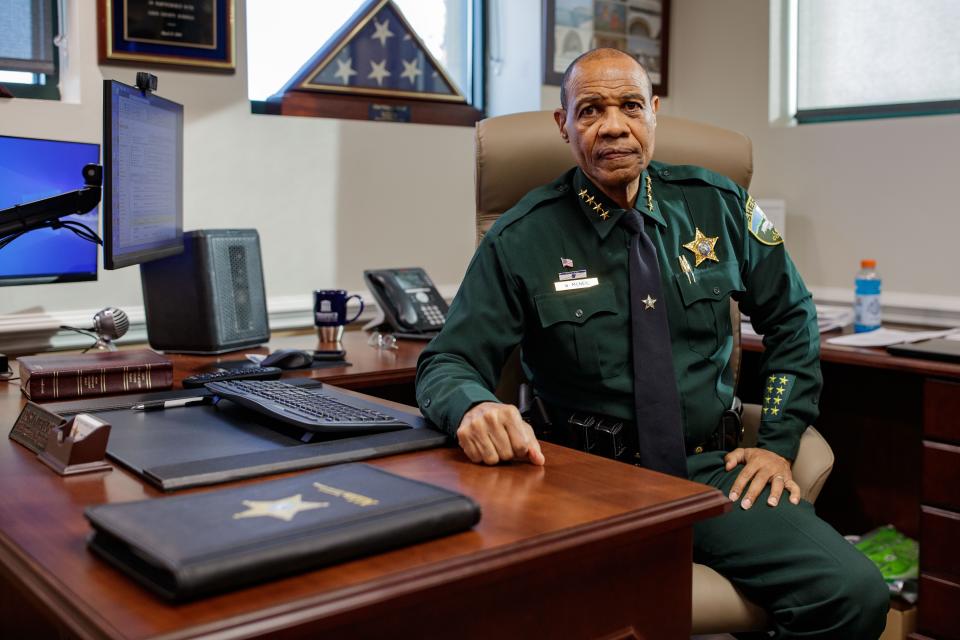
<point>491,432</point>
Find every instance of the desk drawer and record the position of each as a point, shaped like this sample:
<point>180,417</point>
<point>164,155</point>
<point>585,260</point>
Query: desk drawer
<point>939,551</point>
<point>941,410</point>
<point>941,475</point>
<point>937,608</point>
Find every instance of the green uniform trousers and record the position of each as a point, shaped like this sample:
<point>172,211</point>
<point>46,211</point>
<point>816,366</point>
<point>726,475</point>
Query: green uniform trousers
<point>812,581</point>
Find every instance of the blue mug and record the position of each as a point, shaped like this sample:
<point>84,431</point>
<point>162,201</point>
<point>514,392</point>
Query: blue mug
<point>330,307</point>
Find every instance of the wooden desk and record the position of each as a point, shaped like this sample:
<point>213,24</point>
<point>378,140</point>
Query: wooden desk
<point>894,426</point>
<point>583,547</point>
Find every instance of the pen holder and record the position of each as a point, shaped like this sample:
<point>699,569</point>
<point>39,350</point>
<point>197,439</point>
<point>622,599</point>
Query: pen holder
<point>79,446</point>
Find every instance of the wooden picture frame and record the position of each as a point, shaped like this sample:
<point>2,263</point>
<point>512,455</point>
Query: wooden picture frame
<point>638,27</point>
<point>198,34</point>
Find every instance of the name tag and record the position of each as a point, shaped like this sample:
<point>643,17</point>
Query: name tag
<point>580,283</point>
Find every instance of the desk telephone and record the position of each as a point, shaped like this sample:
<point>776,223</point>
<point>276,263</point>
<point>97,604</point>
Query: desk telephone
<point>409,304</point>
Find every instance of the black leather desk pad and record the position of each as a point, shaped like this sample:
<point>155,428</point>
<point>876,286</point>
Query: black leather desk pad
<point>938,349</point>
<point>201,445</point>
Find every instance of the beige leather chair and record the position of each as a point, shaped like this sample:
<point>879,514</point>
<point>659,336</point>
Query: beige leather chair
<point>518,152</point>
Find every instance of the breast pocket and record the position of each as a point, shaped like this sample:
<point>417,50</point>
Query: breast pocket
<point>584,331</point>
<point>706,302</point>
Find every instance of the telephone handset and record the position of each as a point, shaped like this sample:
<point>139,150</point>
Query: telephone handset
<point>410,305</point>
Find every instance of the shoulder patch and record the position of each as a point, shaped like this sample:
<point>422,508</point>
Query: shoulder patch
<point>758,224</point>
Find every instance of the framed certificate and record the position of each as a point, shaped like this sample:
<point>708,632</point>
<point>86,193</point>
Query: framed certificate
<point>188,33</point>
<point>638,27</point>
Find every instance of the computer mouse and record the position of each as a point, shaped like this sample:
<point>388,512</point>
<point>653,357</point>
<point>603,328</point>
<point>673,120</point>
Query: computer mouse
<point>288,359</point>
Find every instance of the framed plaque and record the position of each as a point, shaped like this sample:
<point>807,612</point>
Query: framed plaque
<point>641,28</point>
<point>185,33</point>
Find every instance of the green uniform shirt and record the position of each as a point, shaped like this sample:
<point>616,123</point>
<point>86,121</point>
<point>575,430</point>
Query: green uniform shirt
<point>576,341</point>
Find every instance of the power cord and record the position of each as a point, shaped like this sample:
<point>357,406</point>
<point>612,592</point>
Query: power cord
<point>78,228</point>
<point>85,332</point>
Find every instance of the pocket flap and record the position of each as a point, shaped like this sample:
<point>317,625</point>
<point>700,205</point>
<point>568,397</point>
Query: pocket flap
<point>714,283</point>
<point>575,306</point>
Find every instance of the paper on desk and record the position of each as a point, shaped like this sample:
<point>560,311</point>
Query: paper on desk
<point>829,317</point>
<point>884,337</point>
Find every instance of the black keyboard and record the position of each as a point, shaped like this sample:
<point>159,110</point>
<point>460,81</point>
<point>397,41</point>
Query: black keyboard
<point>312,410</point>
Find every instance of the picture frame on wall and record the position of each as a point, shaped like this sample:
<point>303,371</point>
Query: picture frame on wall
<point>197,34</point>
<point>640,28</point>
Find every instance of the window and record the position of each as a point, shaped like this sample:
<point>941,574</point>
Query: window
<point>28,54</point>
<point>282,38</point>
<point>876,58</point>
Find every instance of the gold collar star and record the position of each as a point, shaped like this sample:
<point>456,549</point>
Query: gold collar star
<point>649,302</point>
<point>283,509</point>
<point>703,248</point>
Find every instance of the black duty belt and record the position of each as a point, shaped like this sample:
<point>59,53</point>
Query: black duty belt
<point>616,438</point>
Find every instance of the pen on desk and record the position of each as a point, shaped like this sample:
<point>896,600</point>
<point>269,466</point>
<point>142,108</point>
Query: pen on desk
<point>156,405</point>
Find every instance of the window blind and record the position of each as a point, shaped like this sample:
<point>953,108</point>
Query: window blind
<point>858,53</point>
<point>27,36</point>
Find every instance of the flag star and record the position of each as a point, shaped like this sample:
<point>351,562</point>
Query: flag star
<point>769,389</point>
<point>780,390</point>
<point>774,411</point>
<point>382,31</point>
<point>767,399</point>
<point>345,70</point>
<point>410,70</point>
<point>777,400</point>
<point>378,71</point>
<point>766,409</point>
<point>784,380</point>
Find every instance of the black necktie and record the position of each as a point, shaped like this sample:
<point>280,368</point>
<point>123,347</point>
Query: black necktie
<point>655,397</point>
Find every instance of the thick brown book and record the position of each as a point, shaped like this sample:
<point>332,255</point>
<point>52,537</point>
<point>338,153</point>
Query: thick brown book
<point>65,376</point>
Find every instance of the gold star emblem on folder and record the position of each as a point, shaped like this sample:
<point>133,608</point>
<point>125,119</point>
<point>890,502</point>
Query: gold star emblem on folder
<point>283,509</point>
<point>703,248</point>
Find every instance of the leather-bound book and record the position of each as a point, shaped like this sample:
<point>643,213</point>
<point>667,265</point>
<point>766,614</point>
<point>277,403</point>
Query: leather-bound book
<point>193,545</point>
<point>56,376</point>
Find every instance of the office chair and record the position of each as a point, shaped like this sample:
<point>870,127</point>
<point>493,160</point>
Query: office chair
<point>518,152</point>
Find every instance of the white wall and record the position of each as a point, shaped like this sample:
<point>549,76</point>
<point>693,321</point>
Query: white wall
<point>328,197</point>
<point>331,197</point>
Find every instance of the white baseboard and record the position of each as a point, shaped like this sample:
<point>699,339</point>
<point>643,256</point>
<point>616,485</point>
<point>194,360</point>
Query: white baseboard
<point>40,331</point>
<point>37,332</point>
<point>901,307</point>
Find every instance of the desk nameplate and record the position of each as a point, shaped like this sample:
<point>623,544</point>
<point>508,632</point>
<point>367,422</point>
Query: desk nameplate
<point>33,427</point>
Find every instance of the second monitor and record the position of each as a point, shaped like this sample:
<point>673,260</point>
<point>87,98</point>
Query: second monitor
<point>143,176</point>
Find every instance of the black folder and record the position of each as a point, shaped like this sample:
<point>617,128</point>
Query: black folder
<point>189,546</point>
<point>938,349</point>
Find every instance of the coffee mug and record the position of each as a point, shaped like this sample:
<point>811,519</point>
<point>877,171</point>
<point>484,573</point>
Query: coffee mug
<point>330,312</point>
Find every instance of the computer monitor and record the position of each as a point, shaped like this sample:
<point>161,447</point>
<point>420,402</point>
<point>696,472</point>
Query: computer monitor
<point>32,169</point>
<point>142,176</point>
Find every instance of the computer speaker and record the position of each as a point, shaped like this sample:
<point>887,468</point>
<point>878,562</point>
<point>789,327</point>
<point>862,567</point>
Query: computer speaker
<point>211,297</point>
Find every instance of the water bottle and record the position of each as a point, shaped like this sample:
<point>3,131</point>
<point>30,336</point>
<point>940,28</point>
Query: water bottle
<point>866,307</point>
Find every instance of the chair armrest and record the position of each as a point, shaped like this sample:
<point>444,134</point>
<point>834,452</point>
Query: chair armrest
<point>814,458</point>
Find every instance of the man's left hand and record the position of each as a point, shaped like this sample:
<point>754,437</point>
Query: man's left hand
<point>760,467</point>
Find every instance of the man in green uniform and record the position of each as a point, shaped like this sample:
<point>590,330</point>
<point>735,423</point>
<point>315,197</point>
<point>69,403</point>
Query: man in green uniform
<point>552,276</point>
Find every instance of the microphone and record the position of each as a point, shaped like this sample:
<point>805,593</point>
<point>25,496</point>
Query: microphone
<point>109,324</point>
